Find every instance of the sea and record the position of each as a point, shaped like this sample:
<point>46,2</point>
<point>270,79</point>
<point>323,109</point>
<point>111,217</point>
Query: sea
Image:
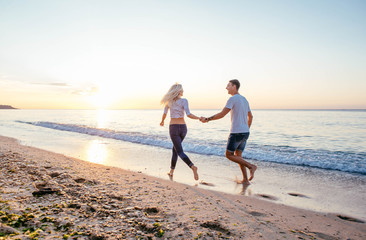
<point>314,159</point>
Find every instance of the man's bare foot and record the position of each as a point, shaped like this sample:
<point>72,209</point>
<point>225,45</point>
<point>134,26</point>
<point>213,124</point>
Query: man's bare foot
<point>244,181</point>
<point>195,173</point>
<point>252,170</point>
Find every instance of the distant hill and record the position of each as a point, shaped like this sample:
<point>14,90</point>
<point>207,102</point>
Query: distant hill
<point>6,107</point>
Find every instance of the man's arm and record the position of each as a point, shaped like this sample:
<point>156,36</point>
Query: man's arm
<point>219,115</point>
<point>250,119</point>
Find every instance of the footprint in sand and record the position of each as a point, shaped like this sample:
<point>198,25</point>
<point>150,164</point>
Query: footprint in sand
<point>298,195</point>
<point>266,196</point>
<point>257,214</point>
<point>351,219</point>
<point>207,184</point>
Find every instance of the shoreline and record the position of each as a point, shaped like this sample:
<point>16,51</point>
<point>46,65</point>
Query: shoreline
<point>317,190</point>
<point>66,196</point>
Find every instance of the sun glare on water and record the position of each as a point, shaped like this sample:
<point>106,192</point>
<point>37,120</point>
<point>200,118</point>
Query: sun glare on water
<point>97,152</point>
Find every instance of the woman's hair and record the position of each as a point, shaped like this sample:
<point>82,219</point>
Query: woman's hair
<point>172,95</point>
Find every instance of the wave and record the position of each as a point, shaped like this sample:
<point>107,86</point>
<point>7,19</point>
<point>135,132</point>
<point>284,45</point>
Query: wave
<point>339,160</point>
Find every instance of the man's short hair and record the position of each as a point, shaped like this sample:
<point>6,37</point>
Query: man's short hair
<point>236,83</point>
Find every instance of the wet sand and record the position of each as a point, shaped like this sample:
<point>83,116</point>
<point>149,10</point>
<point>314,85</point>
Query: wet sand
<point>48,195</point>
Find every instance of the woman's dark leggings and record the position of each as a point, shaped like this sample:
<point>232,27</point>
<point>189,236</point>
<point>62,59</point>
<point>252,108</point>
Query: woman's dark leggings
<point>177,133</point>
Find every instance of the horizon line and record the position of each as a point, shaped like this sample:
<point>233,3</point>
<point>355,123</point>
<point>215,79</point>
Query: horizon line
<point>275,109</point>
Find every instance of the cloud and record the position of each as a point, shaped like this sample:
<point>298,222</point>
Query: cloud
<point>86,92</point>
<point>3,77</point>
<point>58,84</point>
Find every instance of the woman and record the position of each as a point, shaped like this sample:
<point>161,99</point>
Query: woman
<point>177,128</point>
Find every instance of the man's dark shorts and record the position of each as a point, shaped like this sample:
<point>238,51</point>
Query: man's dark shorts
<point>237,141</point>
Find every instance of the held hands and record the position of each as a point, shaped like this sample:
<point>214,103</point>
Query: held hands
<point>203,119</point>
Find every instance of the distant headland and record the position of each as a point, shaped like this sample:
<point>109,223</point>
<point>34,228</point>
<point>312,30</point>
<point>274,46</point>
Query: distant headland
<point>7,107</point>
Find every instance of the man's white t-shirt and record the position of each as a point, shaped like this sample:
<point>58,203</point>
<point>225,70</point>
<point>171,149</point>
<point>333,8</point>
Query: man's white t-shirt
<point>239,113</point>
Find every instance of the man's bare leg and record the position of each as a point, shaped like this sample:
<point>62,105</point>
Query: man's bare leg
<point>245,177</point>
<point>241,161</point>
<point>243,169</point>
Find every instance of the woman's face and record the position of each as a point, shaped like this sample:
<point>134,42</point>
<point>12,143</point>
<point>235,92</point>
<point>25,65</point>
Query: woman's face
<point>181,93</point>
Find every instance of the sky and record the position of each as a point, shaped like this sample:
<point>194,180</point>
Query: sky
<point>88,54</point>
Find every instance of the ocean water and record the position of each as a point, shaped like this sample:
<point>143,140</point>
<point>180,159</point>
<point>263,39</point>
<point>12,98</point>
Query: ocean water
<point>332,140</point>
<point>296,150</point>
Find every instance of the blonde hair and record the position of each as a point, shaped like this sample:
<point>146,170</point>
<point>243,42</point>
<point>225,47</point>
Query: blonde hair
<point>172,95</point>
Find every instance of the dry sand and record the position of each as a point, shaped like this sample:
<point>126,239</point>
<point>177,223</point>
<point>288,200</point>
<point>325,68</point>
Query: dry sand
<point>46,195</point>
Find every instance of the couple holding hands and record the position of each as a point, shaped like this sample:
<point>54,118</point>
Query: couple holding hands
<point>241,120</point>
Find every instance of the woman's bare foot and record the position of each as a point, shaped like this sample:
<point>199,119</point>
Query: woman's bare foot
<point>195,173</point>
<point>170,174</point>
<point>252,170</point>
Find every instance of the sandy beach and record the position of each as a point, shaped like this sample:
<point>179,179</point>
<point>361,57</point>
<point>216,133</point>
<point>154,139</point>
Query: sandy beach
<point>46,195</point>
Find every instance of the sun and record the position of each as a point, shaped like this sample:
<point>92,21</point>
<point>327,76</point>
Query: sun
<point>104,97</point>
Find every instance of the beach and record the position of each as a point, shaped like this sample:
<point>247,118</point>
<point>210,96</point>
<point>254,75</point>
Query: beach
<point>87,143</point>
<point>49,195</point>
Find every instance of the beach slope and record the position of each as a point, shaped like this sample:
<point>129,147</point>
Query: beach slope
<point>48,195</point>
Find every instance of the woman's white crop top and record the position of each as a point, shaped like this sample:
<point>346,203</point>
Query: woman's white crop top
<point>177,109</point>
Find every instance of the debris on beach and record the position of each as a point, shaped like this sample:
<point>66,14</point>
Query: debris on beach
<point>38,202</point>
<point>45,195</point>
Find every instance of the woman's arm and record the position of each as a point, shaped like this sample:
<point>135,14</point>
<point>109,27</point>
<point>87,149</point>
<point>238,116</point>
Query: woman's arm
<point>193,116</point>
<point>162,119</point>
<point>189,114</point>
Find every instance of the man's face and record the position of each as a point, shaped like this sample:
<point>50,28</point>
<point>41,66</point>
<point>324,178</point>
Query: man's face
<point>230,88</point>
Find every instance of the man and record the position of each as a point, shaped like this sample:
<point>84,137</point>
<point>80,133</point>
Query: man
<point>241,120</point>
